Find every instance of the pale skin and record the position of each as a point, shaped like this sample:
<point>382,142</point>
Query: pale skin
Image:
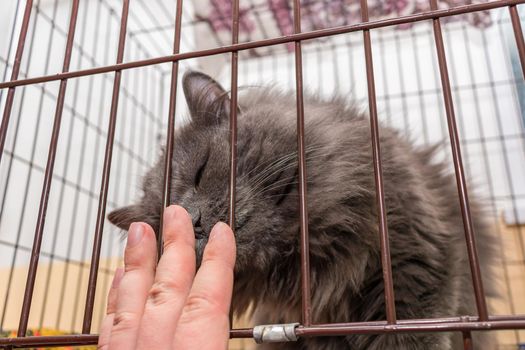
<point>169,306</point>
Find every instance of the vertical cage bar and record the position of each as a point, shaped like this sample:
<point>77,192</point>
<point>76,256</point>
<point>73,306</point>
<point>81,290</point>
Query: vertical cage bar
<point>171,126</point>
<point>518,35</point>
<point>233,123</point>
<point>48,177</point>
<point>467,340</point>
<point>65,171</point>
<point>93,159</point>
<point>303,211</point>
<point>378,174</point>
<point>233,115</point>
<point>484,141</point>
<point>30,169</point>
<point>512,184</point>
<point>97,242</point>
<point>14,75</point>
<point>459,170</point>
<point>10,44</point>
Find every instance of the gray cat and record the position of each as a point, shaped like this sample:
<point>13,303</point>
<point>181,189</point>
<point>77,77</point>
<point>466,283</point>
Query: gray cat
<point>429,260</point>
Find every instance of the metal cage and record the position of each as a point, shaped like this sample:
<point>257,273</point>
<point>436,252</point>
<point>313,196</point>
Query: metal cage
<point>140,66</point>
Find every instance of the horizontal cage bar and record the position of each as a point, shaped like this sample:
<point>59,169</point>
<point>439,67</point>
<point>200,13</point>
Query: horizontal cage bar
<point>269,42</point>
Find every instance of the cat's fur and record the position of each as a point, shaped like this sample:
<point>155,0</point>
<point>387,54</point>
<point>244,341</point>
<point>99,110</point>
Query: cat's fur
<point>429,260</point>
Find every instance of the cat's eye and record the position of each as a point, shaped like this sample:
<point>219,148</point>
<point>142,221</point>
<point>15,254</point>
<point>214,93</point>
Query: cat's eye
<point>198,174</point>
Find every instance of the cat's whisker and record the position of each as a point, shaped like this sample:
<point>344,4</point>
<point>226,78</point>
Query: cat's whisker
<point>281,166</point>
<point>309,156</point>
<point>272,168</point>
<point>268,166</point>
<point>281,183</point>
<point>285,158</point>
<point>309,148</point>
<point>277,184</point>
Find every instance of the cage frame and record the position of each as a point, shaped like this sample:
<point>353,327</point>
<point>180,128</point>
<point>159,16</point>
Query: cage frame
<point>464,324</point>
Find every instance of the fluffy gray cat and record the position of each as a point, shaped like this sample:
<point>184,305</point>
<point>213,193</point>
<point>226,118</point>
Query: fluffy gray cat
<point>429,260</point>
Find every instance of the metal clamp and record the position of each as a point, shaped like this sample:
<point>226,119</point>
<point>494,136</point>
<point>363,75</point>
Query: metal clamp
<point>275,333</point>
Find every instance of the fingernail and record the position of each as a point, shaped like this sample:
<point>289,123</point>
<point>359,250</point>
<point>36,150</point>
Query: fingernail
<point>135,233</point>
<point>218,230</point>
<point>119,273</point>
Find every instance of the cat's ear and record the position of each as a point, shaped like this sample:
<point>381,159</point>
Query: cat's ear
<point>208,102</point>
<point>125,216</point>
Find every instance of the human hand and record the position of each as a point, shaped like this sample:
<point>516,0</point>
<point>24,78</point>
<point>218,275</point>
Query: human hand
<point>168,306</point>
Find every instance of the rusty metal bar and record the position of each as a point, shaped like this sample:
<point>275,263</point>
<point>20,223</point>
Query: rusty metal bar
<point>14,75</point>
<point>171,126</point>
<point>62,186</point>
<point>233,115</point>
<point>460,324</point>
<point>378,174</point>
<point>269,42</point>
<point>459,171</point>
<point>467,340</point>
<point>92,175</point>
<point>49,341</point>
<point>409,327</point>
<point>37,119</point>
<point>436,320</point>
<point>99,228</point>
<point>233,124</point>
<point>306,306</point>
<point>518,35</point>
<point>48,177</point>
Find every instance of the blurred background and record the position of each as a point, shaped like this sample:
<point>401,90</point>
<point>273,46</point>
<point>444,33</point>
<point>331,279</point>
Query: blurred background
<point>487,84</point>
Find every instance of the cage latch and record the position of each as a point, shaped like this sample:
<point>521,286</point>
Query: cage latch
<point>275,333</point>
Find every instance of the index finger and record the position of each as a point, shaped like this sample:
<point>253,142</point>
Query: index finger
<point>172,284</point>
<point>209,300</point>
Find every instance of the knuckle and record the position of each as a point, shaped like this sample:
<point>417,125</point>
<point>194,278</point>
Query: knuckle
<point>133,263</point>
<point>198,304</point>
<point>163,292</point>
<point>124,321</point>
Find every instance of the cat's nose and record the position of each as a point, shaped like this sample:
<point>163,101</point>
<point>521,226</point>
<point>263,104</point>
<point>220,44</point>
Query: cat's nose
<point>196,218</point>
<point>197,228</point>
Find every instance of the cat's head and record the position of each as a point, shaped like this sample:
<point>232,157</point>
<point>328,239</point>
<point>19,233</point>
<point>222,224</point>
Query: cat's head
<point>266,205</point>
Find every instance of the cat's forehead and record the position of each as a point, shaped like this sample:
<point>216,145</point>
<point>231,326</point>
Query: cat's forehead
<point>259,140</point>
<point>191,139</point>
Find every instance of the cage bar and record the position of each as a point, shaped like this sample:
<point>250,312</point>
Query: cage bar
<point>9,171</point>
<point>93,176</point>
<point>14,75</point>
<point>458,324</point>
<point>39,230</point>
<point>378,174</point>
<point>518,35</point>
<point>408,327</point>
<point>459,171</point>
<point>233,115</point>
<point>269,42</point>
<point>465,324</point>
<point>506,148</point>
<point>64,174</point>
<point>97,242</point>
<point>171,126</point>
<point>467,340</point>
<point>306,306</point>
<point>485,153</point>
<point>233,124</point>
<point>10,45</point>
